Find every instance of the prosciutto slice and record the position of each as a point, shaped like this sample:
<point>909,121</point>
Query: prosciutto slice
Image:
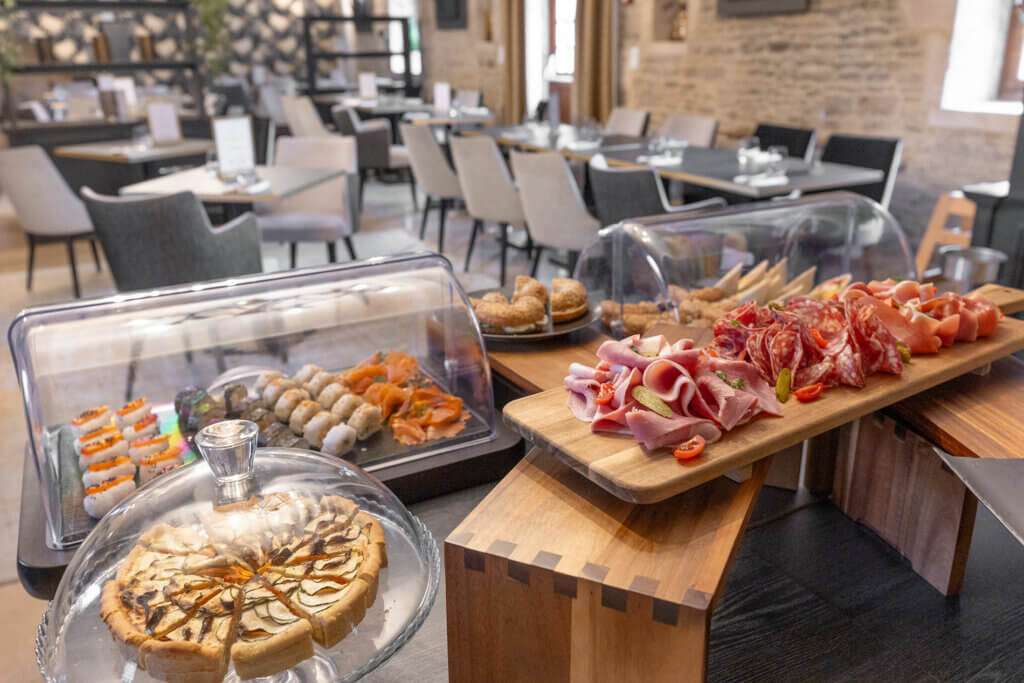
<point>654,431</point>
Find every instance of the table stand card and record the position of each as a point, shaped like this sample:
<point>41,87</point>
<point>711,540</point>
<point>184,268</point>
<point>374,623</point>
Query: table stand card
<point>367,86</point>
<point>442,97</point>
<point>236,155</point>
<point>164,126</point>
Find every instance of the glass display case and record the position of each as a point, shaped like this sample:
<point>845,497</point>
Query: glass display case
<point>273,562</point>
<point>693,268</point>
<point>393,339</point>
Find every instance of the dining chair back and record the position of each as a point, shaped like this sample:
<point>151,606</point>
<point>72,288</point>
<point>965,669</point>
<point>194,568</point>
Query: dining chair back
<point>552,204</point>
<point>326,212</point>
<point>303,119</point>
<point>699,131</point>
<point>623,121</point>
<point>46,207</point>
<point>466,99</point>
<point>433,174</point>
<point>800,142</point>
<point>167,240</point>
<point>939,231</point>
<point>373,143</point>
<point>882,154</point>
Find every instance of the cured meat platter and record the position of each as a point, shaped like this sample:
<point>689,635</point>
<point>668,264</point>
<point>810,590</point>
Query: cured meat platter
<point>623,467</point>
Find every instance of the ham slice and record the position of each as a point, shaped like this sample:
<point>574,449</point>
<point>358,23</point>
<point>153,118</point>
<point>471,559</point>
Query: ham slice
<point>612,419</point>
<point>726,405</point>
<point>582,395</point>
<point>671,382</point>
<point>632,352</point>
<point>654,431</point>
<point>754,383</point>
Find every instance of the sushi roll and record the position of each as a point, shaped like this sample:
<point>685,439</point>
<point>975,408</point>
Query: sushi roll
<point>346,405</point>
<point>266,378</point>
<point>317,428</point>
<point>302,414</point>
<point>100,499</point>
<point>91,420</point>
<point>276,388</point>
<point>94,436</point>
<point>143,448</point>
<point>320,380</point>
<point>133,412</point>
<point>330,395</point>
<point>288,401</point>
<point>153,466</point>
<point>307,372</point>
<point>111,469</point>
<point>109,448</point>
<point>146,428</point>
<point>367,421</point>
<point>339,440</point>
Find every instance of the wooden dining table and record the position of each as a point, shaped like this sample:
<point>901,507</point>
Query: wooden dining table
<point>552,578</point>
<point>715,169</point>
<point>147,157</point>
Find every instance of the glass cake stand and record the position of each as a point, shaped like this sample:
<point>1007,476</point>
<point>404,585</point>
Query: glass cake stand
<point>74,644</point>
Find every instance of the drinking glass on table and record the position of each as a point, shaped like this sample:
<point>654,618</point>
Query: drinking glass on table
<point>746,153</point>
<point>777,159</point>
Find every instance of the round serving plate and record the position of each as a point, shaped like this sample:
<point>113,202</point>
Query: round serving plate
<point>74,644</point>
<point>554,330</point>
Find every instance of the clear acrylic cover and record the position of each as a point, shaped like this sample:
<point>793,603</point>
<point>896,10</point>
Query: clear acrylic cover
<point>75,644</point>
<point>645,270</point>
<point>106,352</point>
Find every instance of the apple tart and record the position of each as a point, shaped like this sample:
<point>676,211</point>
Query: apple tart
<point>254,584</point>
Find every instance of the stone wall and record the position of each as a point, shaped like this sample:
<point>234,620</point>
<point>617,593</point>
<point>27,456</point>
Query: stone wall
<point>854,66</point>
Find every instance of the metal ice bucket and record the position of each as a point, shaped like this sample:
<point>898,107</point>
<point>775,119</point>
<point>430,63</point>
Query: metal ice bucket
<point>970,267</point>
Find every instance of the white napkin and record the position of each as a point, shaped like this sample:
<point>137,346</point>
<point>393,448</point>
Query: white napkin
<point>658,160</point>
<point>583,144</point>
<point>761,180</point>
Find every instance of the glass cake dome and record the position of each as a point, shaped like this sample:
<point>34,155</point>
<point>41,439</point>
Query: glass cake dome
<point>253,562</point>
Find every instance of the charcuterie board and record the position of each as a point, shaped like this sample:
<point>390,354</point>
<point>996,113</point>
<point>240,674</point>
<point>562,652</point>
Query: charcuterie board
<point>620,465</point>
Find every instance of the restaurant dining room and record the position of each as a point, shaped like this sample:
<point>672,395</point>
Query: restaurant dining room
<point>501,341</point>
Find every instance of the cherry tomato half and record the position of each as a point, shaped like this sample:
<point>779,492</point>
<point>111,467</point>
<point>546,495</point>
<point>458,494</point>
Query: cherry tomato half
<point>605,394</point>
<point>689,450</point>
<point>809,393</point>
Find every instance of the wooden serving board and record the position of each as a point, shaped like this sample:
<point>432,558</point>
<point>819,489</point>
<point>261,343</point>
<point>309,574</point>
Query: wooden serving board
<point>620,465</point>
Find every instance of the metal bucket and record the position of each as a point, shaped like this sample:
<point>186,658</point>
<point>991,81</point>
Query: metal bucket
<point>970,267</point>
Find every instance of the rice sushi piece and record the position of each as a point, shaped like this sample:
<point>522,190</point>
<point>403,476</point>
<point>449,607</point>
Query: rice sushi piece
<point>367,420</point>
<point>277,387</point>
<point>330,395</point>
<point>153,466</point>
<point>317,428</point>
<point>133,412</point>
<point>109,448</point>
<point>302,414</point>
<point>94,436</point>
<point>288,401</point>
<point>143,448</point>
<point>307,372</point>
<point>319,381</point>
<point>266,378</point>
<point>100,499</point>
<point>146,428</point>
<point>100,472</point>
<point>346,405</point>
<point>339,440</point>
<point>91,420</point>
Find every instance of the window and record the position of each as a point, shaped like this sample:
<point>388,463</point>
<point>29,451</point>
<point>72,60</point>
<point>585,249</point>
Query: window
<point>984,71</point>
<point>404,8</point>
<point>564,37</point>
<point>1011,85</point>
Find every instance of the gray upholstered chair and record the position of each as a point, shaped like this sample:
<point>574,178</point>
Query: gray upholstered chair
<point>376,153</point>
<point>302,117</point>
<point>490,193</point>
<point>624,193</point>
<point>154,242</point>
<point>623,121</point>
<point>433,174</point>
<point>46,207</point>
<point>699,131</point>
<point>324,213</point>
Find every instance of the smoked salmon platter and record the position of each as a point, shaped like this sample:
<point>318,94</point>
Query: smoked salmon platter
<point>617,423</point>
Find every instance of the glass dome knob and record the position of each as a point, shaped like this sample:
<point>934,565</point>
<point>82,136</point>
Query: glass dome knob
<point>228,448</point>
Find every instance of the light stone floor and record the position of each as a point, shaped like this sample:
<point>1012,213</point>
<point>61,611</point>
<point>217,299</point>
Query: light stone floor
<point>389,225</point>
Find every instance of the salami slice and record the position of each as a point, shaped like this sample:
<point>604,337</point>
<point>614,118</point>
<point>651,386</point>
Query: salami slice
<point>785,348</point>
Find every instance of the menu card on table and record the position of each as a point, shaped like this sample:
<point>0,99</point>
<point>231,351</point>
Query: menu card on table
<point>367,86</point>
<point>443,97</point>
<point>164,126</point>
<point>236,154</point>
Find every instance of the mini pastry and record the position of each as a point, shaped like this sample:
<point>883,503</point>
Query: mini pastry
<point>109,448</point>
<point>100,499</point>
<point>94,436</point>
<point>307,372</point>
<point>91,420</point>
<point>275,388</point>
<point>302,414</point>
<point>143,429</point>
<point>320,380</point>
<point>266,378</point>
<point>286,404</point>
<point>142,448</point>
<point>153,466</point>
<point>132,412</point>
<point>317,428</point>
<point>100,472</point>
<point>339,440</point>
<point>330,394</point>
<point>367,420</point>
<point>568,300</point>
<point>346,405</point>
